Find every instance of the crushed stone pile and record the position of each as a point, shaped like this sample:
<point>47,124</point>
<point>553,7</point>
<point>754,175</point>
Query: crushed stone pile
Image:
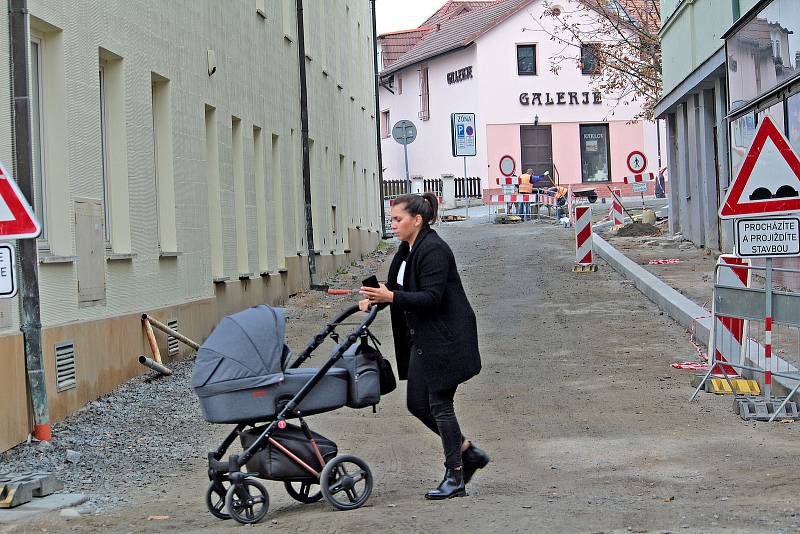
<point>121,439</point>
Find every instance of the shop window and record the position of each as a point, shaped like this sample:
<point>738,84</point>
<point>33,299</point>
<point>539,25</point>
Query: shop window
<point>595,155</point>
<point>526,60</point>
<point>793,111</point>
<point>763,53</point>
<point>589,63</point>
<point>743,129</point>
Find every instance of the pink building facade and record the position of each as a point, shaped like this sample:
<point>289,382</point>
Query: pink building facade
<point>494,61</point>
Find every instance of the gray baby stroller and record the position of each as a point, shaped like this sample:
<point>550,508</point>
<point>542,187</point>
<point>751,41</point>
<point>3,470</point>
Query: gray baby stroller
<point>244,375</point>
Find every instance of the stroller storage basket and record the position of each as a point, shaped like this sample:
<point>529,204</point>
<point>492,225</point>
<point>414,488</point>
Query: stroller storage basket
<point>264,403</point>
<point>272,464</point>
<point>361,362</point>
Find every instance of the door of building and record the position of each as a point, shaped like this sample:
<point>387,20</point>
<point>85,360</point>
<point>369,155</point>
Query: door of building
<point>537,152</point>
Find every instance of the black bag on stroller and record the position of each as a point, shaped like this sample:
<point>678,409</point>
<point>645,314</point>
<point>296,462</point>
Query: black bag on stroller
<point>272,464</point>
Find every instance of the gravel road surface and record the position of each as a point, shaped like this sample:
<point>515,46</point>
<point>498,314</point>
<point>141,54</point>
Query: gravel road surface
<point>588,427</point>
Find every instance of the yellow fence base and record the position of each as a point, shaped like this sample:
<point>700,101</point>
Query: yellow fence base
<point>720,386</point>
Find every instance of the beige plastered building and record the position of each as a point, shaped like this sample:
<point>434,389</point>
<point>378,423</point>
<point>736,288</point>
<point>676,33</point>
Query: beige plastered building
<point>168,164</point>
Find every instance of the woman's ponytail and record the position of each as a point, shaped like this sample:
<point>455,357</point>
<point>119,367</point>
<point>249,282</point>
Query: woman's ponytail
<point>425,205</point>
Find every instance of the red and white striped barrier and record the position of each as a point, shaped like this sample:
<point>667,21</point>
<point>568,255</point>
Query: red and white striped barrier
<point>583,235</point>
<point>509,180</point>
<point>616,214</point>
<point>729,331</point>
<point>547,200</point>
<point>640,178</point>
<point>503,199</point>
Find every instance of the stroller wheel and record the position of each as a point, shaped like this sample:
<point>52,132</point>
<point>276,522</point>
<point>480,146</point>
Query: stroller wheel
<point>215,499</point>
<point>247,501</point>
<point>346,482</point>
<point>303,493</point>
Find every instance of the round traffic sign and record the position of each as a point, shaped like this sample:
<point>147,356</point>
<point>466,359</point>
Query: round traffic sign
<point>507,165</point>
<point>637,162</point>
<point>404,132</point>
<point>470,131</point>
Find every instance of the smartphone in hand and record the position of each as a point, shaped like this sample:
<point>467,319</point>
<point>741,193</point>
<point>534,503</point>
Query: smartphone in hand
<point>372,281</point>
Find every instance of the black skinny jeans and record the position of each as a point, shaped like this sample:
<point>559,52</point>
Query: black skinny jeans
<point>435,410</point>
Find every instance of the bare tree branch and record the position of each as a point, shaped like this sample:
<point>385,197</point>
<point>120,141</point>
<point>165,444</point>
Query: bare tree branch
<point>620,37</point>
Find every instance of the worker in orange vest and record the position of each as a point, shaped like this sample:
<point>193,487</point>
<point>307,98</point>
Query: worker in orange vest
<point>525,187</point>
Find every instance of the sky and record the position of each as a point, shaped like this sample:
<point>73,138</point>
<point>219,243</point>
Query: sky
<point>394,15</point>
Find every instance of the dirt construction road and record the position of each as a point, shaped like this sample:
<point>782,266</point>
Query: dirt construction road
<point>588,427</point>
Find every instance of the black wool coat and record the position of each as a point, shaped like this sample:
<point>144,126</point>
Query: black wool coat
<point>432,315</point>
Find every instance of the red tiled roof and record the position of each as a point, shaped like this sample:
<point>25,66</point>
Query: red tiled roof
<point>458,32</point>
<point>454,8</point>
<point>395,44</point>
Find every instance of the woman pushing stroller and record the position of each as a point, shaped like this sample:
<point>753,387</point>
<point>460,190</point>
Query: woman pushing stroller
<point>435,334</point>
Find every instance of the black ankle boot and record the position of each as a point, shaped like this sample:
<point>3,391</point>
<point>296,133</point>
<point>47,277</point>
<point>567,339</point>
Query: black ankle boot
<point>473,459</point>
<point>451,486</point>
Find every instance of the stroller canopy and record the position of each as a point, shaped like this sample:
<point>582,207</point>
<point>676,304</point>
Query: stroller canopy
<point>246,350</point>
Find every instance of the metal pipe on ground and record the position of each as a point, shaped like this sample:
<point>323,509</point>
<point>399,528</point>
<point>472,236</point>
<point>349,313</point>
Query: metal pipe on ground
<point>151,339</point>
<point>167,330</point>
<point>155,366</point>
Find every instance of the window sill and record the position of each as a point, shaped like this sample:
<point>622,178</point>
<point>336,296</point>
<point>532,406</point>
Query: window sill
<point>283,270</point>
<point>527,74</point>
<point>245,276</point>
<point>347,251</point>
<point>220,279</point>
<point>57,259</point>
<point>120,256</point>
<point>169,254</point>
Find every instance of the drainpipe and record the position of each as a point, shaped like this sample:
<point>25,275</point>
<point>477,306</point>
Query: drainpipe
<point>23,171</point>
<point>301,51</point>
<point>378,119</point>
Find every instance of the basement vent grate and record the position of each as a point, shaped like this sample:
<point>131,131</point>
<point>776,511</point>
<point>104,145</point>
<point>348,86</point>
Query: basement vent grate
<point>66,374</point>
<point>172,343</point>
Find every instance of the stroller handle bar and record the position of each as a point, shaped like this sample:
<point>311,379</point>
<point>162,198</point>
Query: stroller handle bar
<point>319,339</point>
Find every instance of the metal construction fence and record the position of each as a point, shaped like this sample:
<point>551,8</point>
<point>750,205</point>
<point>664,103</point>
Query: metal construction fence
<point>756,334</point>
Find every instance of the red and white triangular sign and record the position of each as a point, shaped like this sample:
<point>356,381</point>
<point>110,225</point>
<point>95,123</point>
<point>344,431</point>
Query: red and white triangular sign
<point>769,180</point>
<point>17,220</point>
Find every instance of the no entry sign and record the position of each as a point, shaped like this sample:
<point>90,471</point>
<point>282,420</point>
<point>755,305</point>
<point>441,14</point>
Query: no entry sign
<point>767,237</point>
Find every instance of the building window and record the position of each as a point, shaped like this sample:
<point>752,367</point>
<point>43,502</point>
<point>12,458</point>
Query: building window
<point>386,126</point>
<point>162,163</point>
<point>589,64</point>
<point>104,153</point>
<point>526,60</point>
<point>424,95</point>
<point>37,133</point>
<point>595,155</point>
